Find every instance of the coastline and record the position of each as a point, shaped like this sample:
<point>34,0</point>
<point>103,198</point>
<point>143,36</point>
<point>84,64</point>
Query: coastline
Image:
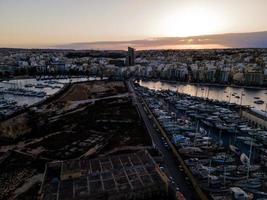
<point>34,77</point>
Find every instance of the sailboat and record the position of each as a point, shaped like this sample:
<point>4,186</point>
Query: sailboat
<point>235,150</point>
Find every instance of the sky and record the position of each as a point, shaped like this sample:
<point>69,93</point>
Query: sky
<point>49,23</point>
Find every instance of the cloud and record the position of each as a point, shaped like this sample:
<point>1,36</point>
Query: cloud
<point>230,40</point>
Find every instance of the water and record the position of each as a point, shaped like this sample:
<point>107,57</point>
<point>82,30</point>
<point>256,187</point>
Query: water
<point>214,92</point>
<point>27,100</point>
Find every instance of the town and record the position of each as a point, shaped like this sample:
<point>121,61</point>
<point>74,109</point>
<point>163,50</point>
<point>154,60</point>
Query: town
<point>246,67</point>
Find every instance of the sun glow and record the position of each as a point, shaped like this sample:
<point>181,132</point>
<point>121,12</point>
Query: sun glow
<point>192,21</point>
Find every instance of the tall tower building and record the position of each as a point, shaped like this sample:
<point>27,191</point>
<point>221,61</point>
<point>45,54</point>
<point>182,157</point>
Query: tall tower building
<point>130,59</point>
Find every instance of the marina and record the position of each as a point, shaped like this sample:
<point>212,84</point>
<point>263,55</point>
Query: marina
<point>225,153</point>
<point>17,94</point>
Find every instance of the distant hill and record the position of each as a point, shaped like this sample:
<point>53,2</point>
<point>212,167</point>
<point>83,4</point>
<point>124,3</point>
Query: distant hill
<point>229,40</point>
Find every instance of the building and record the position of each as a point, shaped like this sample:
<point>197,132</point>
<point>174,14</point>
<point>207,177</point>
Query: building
<point>265,76</point>
<point>125,176</point>
<point>253,75</point>
<point>7,70</point>
<point>130,59</point>
<point>225,75</point>
<point>117,62</point>
<point>253,78</point>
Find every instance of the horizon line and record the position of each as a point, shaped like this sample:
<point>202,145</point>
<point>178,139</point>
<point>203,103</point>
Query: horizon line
<point>206,39</point>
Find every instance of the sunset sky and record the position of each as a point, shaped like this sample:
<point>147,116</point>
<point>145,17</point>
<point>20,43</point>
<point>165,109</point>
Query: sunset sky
<point>44,23</point>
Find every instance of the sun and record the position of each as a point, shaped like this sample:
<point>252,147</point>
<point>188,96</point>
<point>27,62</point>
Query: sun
<point>190,22</point>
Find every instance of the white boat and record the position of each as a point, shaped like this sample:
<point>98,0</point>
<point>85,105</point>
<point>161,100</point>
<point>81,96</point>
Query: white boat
<point>253,143</point>
<point>226,168</point>
<point>251,168</point>
<point>238,193</point>
<point>249,183</point>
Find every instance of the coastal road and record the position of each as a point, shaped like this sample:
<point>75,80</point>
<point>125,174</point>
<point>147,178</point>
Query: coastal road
<point>171,165</point>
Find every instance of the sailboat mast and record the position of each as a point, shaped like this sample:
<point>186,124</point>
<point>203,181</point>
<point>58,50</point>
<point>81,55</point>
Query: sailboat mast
<point>209,173</point>
<point>250,150</point>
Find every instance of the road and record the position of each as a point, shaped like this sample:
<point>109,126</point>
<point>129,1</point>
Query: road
<point>171,165</point>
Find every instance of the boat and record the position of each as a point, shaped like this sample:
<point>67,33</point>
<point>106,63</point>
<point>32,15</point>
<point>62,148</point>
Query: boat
<point>39,86</point>
<point>252,168</point>
<point>252,183</point>
<point>213,184</point>
<point>28,85</point>
<point>233,177</point>
<point>253,143</point>
<point>245,138</point>
<point>258,194</point>
<point>23,92</point>
<point>196,161</point>
<point>193,134</point>
<point>193,152</point>
<point>239,194</point>
<point>259,102</point>
<point>235,150</point>
<point>55,87</point>
<point>211,148</point>
<point>202,171</point>
<point>226,168</point>
<point>40,94</point>
<point>223,158</point>
<point>207,123</point>
<point>260,175</point>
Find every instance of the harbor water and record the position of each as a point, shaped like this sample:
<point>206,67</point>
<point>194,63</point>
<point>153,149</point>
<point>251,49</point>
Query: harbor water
<point>228,94</point>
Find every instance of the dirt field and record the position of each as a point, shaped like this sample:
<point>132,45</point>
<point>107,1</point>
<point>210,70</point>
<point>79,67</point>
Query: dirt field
<point>91,90</point>
<point>15,126</point>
